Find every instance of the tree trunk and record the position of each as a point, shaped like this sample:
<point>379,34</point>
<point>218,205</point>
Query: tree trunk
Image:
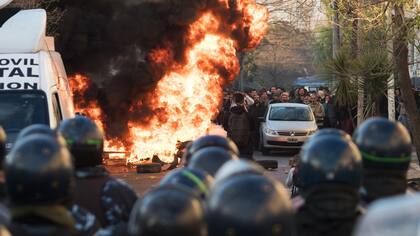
<point>401,63</point>
<point>355,47</point>
<point>336,41</point>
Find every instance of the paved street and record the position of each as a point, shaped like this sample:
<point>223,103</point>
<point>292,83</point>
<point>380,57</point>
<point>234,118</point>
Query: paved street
<point>143,182</point>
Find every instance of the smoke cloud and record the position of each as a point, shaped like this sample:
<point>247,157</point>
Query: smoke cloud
<point>110,41</point>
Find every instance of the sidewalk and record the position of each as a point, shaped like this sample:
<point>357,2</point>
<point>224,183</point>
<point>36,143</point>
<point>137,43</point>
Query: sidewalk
<point>414,170</point>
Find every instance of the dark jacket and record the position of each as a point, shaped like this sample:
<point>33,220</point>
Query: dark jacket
<point>330,115</point>
<point>240,126</point>
<point>110,199</point>
<point>328,211</point>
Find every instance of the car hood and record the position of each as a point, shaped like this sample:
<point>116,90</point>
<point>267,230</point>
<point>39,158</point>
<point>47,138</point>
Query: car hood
<point>291,125</point>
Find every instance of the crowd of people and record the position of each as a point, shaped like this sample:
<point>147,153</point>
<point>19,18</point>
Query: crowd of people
<point>54,183</point>
<point>242,112</point>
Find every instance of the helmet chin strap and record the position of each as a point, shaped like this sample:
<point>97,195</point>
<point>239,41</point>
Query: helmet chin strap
<point>4,3</point>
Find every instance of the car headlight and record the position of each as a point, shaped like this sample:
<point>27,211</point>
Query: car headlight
<point>312,132</point>
<point>270,131</point>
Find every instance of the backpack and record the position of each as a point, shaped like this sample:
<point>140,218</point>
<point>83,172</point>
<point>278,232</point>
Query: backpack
<point>239,129</point>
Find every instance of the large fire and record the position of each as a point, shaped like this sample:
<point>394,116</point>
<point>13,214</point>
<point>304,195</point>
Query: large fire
<point>188,95</point>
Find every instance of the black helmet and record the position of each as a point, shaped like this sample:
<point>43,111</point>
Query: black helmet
<point>2,146</point>
<point>210,159</point>
<point>249,205</point>
<point>168,211</point>
<point>198,182</point>
<point>38,171</point>
<point>40,129</point>
<point>330,159</point>
<point>36,129</point>
<point>384,144</point>
<point>330,131</point>
<point>237,167</point>
<point>210,141</point>
<point>84,139</point>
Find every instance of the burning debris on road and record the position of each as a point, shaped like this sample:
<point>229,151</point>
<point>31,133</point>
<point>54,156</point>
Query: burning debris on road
<point>151,74</point>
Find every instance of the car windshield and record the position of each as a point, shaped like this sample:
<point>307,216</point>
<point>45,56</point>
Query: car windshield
<point>19,109</point>
<point>291,114</point>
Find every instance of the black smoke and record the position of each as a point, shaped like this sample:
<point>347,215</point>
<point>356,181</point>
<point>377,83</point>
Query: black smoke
<point>110,41</point>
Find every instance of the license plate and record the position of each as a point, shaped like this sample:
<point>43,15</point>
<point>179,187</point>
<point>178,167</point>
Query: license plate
<point>292,140</point>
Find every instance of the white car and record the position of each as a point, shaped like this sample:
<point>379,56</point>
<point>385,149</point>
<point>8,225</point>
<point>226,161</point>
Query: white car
<point>286,126</point>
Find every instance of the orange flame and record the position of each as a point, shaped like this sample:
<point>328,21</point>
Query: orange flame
<point>79,85</point>
<point>188,95</point>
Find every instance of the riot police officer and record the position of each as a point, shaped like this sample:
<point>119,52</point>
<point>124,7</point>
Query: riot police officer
<point>196,181</point>
<point>293,177</point>
<point>85,221</point>
<point>386,151</point>
<point>330,131</point>
<point>168,210</point>
<point>209,141</point>
<point>37,129</point>
<point>210,159</point>
<point>40,183</point>
<point>330,174</point>
<point>110,199</point>
<point>391,216</point>
<point>237,167</point>
<point>249,205</point>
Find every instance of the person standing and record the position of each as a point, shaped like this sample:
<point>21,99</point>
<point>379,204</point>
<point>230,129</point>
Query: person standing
<point>330,113</point>
<point>285,97</point>
<point>300,96</point>
<point>386,153</point>
<point>318,110</point>
<point>276,98</point>
<point>110,199</point>
<point>240,126</point>
<point>257,112</point>
<point>330,171</point>
<point>40,183</point>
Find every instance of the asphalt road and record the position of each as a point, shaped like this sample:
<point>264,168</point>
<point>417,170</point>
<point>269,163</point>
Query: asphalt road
<point>144,182</point>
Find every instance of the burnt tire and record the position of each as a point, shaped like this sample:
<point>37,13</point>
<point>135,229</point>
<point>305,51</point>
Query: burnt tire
<point>149,168</point>
<point>269,164</point>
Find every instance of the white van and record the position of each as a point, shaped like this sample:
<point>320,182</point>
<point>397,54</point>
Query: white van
<point>33,84</point>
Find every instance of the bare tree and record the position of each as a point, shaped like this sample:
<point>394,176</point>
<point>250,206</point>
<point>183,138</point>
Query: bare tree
<point>55,14</point>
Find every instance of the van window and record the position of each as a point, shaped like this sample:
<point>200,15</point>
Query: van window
<point>19,109</point>
<point>57,108</point>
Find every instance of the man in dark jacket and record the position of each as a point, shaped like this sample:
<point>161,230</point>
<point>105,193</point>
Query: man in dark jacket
<point>330,113</point>
<point>40,183</point>
<point>257,112</point>
<point>110,199</point>
<point>240,126</point>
